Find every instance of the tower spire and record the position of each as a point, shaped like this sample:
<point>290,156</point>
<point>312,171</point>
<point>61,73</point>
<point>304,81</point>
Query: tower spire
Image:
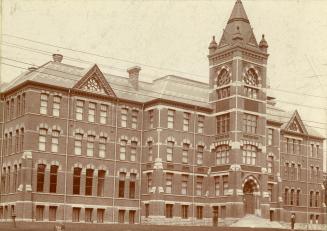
<point>238,13</point>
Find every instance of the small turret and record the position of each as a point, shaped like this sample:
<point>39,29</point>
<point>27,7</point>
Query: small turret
<point>263,45</point>
<point>213,45</point>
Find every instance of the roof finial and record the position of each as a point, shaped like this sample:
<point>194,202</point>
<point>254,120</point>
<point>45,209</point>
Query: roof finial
<point>263,43</point>
<point>213,45</point>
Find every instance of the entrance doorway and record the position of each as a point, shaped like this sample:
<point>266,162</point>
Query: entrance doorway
<point>249,188</point>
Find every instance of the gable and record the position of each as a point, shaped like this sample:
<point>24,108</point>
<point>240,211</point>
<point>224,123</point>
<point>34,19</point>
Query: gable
<point>94,81</point>
<point>296,125</point>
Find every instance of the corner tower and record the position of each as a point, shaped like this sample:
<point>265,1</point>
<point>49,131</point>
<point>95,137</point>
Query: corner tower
<point>238,95</point>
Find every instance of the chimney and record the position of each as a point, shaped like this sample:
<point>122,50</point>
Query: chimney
<point>134,73</point>
<point>57,57</point>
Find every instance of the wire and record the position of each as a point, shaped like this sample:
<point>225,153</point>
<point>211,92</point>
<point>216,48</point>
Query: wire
<point>143,74</point>
<point>101,56</point>
<point>149,95</point>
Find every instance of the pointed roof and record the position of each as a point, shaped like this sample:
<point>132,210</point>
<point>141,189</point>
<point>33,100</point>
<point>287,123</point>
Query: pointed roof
<point>238,26</point>
<point>238,13</point>
<point>94,81</point>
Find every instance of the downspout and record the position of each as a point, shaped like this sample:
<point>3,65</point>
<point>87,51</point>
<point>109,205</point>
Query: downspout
<point>115,163</point>
<point>66,158</point>
<point>140,168</point>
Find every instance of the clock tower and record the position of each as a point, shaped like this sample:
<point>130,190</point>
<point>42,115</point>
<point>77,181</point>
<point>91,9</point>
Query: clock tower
<point>238,86</point>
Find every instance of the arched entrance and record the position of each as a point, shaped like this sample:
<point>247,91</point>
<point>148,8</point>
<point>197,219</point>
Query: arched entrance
<point>249,189</point>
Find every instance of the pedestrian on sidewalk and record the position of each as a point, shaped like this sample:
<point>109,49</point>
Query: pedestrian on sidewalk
<point>292,220</point>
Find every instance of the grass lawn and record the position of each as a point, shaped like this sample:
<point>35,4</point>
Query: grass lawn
<point>117,227</point>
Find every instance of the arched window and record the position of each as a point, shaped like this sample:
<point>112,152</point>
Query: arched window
<point>53,178</point>
<point>286,196</point>
<point>78,144</point>
<point>311,199</point>
<point>222,154</point>
<point>249,154</point>
<point>77,180</point>
<point>122,150</point>
<point>223,77</point>
<point>270,161</point>
<point>292,197</point>
<point>55,141</point>
<point>40,177</point>
<point>42,139</point>
<point>251,77</point>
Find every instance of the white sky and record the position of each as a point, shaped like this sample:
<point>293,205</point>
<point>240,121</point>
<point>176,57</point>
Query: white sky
<point>175,35</point>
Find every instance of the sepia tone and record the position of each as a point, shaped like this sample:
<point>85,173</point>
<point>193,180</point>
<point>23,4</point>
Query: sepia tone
<point>80,145</point>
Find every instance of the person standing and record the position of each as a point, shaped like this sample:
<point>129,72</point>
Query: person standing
<point>292,220</point>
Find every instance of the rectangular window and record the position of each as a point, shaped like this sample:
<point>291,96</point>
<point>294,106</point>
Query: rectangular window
<point>222,154</point>
<point>299,172</point>
<point>185,153</point>
<point>286,196</point>
<point>122,150</point>
<point>40,177</point>
<point>150,151</point>
<point>186,121</point>
<point>134,119</point>
<point>10,142</point>
<point>184,211</point>
<point>122,177</point>
<point>76,214</point>
<point>199,212</point>
<point>169,211</point>
<point>169,182</point>
<point>52,213</point>
<point>200,124</point>
<point>184,184</point>
<point>217,185</point>
<point>16,140</point>
<point>298,193</point>
<point>91,116</point>
<point>88,214</point>
<point>15,176</point>
<point>223,93</point>
<point>102,147</point>
<point>100,215</point>
<point>131,216</point>
<point>12,109</point>
<point>124,117</point>
<point>199,155</point>
<point>292,197</point>
<point>199,182</point>
<point>44,104</point>
<point>312,149</point>
<point>249,123</point>
<point>21,146</point>
<point>170,146</point>
<point>39,215</point>
<point>23,104</point>
<point>53,178</point>
<point>151,118</point>
<point>132,184</point>
<point>101,178</point>
<point>225,185</point>
<point>317,199</point>
<point>171,114</point>
<point>311,199</point>
<point>270,136</point>
<point>251,92</point>
<point>55,141</point>
<point>133,150</point>
<point>103,114</point>
<point>18,106</point>
<point>89,182</point>
<point>90,145</point>
<point>78,144</point>
<point>77,180</point>
<point>79,110</point>
<point>42,139</point>
<point>149,181</point>
<point>317,150</point>
<point>270,162</point>
<point>121,216</point>
<point>222,123</point>
<point>56,106</point>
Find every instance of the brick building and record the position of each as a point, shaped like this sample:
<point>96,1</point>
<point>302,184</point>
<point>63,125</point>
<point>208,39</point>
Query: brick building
<point>79,145</point>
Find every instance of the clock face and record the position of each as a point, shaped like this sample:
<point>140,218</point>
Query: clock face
<point>251,77</point>
<point>223,78</point>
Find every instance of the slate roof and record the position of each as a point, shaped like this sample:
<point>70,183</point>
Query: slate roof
<point>168,87</point>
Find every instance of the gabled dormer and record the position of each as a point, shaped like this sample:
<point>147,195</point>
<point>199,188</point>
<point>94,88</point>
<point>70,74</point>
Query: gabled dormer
<point>295,124</point>
<point>95,82</point>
